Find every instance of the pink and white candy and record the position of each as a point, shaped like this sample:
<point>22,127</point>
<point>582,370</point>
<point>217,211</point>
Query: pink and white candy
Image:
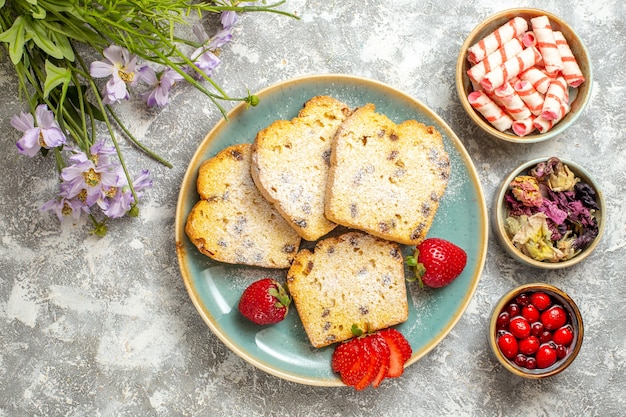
<point>513,104</point>
<point>571,70</point>
<point>523,127</point>
<point>547,44</point>
<point>537,78</point>
<point>511,68</point>
<point>530,96</point>
<point>490,43</point>
<point>543,125</point>
<point>507,51</point>
<point>555,99</point>
<point>490,110</point>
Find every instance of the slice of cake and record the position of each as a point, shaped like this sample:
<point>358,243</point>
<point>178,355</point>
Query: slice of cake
<point>233,222</point>
<point>386,179</point>
<point>351,279</point>
<point>290,161</point>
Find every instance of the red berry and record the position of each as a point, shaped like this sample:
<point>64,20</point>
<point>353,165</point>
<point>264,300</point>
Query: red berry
<point>513,310</point>
<point>367,360</point>
<point>529,345</point>
<point>531,363</point>
<point>264,302</point>
<point>522,299</point>
<point>519,327</point>
<point>531,313</point>
<point>563,336</point>
<point>381,348</point>
<point>561,351</point>
<point>520,360</point>
<point>349,359</point>
<point>439,262</point>
<point>554,317</point>
<point>536,328</point>
<point>546,356</point>
<point>371,364</point>
<point>502,323</point>
<point>541,300</point>
<point>508,345</point>
<point>400,351</point>
<point>546,336</point>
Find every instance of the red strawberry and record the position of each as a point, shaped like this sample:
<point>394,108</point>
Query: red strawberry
<point>399,351</point>
<point>437,262</point>
<point>264,302</point>
<point>369,359</point>
<point>372,363</point>
<point>348,360</point>
<point>380,346</point>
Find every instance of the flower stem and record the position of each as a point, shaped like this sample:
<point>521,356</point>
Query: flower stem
<point>137,143</point>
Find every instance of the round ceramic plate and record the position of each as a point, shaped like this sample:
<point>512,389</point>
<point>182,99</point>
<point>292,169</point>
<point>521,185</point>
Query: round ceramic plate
<point>284,349</point>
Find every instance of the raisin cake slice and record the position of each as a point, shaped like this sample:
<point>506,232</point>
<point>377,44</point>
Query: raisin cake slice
<point>290,161</point>
<point>350,279</point>
<point>386,179</point>
<point>232,222</point>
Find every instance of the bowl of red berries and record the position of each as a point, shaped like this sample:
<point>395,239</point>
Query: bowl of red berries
<point>549,213</point>
<point>536,330</point>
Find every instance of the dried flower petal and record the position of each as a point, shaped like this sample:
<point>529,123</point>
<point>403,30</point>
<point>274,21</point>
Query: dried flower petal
<point>525,189</point>
<point>559,223</point>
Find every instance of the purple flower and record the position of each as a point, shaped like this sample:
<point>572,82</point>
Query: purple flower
<point>90,176</point>
<point>64,207</point>
<point>160,85</point>
<point>121,66</point>
<point>220,39</point>
<point>120,199</point>
<point>45,134</point>
<point>205,57</point>
<point>229,17</point>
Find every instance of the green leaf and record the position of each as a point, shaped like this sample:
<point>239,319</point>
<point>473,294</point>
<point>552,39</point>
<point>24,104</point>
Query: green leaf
<point>40,36</point>
<point>15,36</point>
<point>55,76</point>
<point>356,330</point>
<point>38,12</point>
<point>63,44</point>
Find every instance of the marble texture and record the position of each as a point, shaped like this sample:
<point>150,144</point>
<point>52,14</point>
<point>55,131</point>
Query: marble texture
<point>104,326</point>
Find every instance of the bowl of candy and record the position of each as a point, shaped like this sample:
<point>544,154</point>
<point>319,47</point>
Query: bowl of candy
<point>523,75</point>
<point>536,330</point>
<point>549,213</point>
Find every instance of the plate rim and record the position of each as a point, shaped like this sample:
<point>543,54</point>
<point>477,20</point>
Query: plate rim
<point>241,107</point>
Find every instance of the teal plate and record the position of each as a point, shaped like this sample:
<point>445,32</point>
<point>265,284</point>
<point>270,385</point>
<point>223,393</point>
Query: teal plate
<point>283,349</point>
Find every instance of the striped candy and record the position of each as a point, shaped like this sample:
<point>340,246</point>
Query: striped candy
<point>521,77</point>
<point>490,110</point>
<point>512,29</point>
<point>546,44</point>
<point>571,71</point>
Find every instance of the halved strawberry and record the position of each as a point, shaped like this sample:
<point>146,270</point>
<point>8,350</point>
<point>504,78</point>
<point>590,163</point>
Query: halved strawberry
<point>382,350</point>
<point>371,364</point>
<point>348,360</point>
<point>399,351</point>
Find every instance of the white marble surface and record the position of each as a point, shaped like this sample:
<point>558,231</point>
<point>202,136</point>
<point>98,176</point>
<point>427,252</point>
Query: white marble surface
<point>104,327</point>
